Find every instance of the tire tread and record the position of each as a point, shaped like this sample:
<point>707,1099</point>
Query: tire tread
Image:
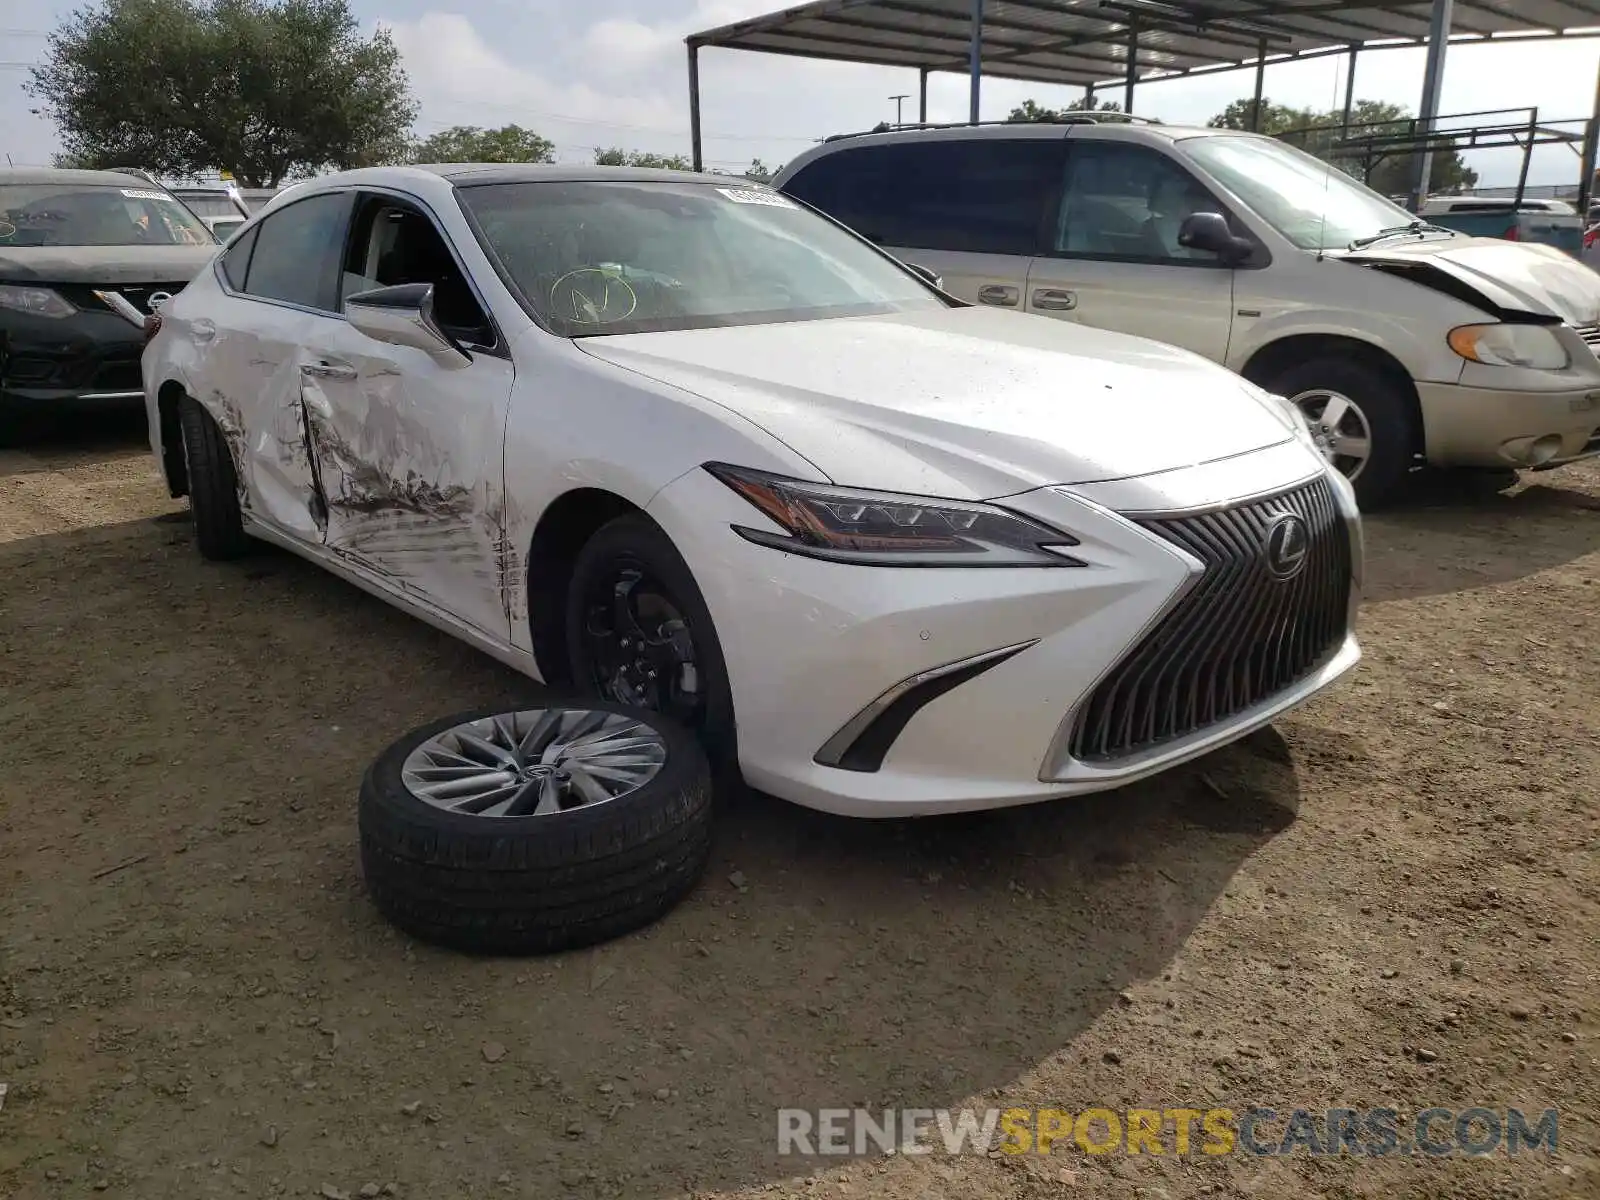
<point>542,884</point>
<point>213,485</point>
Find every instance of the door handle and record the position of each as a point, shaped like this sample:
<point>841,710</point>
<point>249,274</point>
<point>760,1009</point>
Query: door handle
<point>1055,299</point>
<point>998,294</point>
<point>328,370</point>
<point>202,330</point>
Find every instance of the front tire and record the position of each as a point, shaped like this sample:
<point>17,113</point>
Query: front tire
<point>1365,421</point>
<point>213,485</point>
<point>535,831</point>
<point>639,633</point>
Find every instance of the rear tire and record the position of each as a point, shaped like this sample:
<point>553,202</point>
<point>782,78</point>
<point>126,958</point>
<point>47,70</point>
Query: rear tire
<point>1383,405</point>
<point>213,485</point>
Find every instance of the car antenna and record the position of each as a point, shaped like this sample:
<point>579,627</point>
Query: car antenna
<point>1327,174</point>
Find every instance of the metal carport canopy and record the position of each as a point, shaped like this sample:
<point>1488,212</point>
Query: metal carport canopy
<point>1091,43</point>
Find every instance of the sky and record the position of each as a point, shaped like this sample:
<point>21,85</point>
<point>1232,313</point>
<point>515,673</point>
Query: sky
<point>612,73</point>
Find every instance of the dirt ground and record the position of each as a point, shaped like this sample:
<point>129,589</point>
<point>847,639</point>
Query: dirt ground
<point>1391,899</point>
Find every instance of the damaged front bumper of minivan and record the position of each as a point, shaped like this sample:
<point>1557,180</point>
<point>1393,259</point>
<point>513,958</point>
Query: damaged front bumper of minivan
<point>1477,427</point>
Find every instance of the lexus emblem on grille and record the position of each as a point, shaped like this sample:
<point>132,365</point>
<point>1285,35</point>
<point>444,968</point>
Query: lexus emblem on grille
<point>1287,543</point>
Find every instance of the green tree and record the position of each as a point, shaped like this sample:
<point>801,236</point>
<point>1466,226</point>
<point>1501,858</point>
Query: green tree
<point>759,171</point>
<point>616,157</point>
<point>1320,133</point>
<point>471,143</point>
<point>1030,110</point>
<point>262,88</point>
<point>1275,118</point>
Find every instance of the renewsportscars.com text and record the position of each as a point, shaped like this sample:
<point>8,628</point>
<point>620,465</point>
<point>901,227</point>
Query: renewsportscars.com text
<point>1260,1131</point>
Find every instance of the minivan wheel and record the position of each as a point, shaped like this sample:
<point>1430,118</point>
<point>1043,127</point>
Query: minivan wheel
<point>1363,422</point>
<point>213,485</point>
<point>639,633</point>
<point>535,830</point>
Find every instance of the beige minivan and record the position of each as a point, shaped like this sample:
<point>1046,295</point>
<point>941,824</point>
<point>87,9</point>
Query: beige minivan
<point>1402,343</point>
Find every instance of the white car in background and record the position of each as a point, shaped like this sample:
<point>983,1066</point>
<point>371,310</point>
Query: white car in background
<point>674,441</point>
<point>1403,343</point>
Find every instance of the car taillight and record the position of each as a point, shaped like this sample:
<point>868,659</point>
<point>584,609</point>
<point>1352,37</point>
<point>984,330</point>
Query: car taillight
<point>1511,235</point>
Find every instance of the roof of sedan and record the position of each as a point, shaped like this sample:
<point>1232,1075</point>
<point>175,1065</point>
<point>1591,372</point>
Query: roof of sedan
<point>47,175</point>
<point>476,173</point>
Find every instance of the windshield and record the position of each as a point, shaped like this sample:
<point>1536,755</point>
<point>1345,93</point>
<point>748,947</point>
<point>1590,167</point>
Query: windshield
<point>76,215</point>
<point>602,258</point>
<point>1313,204</point>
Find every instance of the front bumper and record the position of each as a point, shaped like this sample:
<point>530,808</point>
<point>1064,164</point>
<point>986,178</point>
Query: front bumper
<point>88,358</point>
<point>810,645</point>
<point>1482,427</point>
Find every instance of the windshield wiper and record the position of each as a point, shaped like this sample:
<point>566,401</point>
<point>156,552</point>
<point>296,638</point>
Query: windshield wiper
<point>1417,226</point>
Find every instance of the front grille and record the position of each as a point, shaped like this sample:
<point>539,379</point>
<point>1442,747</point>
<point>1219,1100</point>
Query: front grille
<point>1591,335</point>
<point>1239,636</point>
<point>138,294</point>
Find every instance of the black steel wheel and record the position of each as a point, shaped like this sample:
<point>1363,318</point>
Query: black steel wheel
<point>639,633</point>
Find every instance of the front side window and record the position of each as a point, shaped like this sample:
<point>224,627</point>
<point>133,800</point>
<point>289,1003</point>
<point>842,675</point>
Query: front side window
<point>983,195</point>
<point>1314,205</point>
<point>1128,202</point>
<point>297,249</point>
<point>392,244</point>
<point>601,257</point>
<point>39,214</point>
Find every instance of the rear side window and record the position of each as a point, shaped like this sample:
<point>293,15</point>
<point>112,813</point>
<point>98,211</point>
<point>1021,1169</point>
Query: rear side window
<point>297,252</point>
<point>980,194</point>
<point>236,259</point>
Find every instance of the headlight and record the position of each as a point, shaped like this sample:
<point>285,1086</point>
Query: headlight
<point>1535,346</point>
<point>889,529</point>
<point>1296,417</point>
<point>36,301</point>
<point>1289,411</point>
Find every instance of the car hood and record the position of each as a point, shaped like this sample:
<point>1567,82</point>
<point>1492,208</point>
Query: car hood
<point>102,264</point>
<point>1510,278</point>
<point>965,402</point>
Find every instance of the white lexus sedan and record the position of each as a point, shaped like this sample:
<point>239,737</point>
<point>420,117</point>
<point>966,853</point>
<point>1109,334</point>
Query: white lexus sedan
<point>678,442</point>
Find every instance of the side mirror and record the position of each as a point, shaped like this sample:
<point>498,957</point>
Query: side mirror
<point>1209,231</point>
<point>402,315</point>
<point>927,275</point>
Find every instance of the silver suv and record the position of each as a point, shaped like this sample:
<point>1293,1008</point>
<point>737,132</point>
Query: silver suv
<point>1401,342</point>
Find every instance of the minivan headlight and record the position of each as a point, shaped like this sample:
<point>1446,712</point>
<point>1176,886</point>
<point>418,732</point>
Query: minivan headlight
<point>888,529</point>
<point>1533,346</point>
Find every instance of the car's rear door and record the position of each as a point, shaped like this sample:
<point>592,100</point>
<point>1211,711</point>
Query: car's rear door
<point>968,207</point>
<point>409,447</point>
<point>1111,258</point>
<point>280,285</point>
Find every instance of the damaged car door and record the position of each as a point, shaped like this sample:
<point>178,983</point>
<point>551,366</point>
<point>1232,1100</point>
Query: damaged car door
<point>280,284</point>
<point>407,433</point>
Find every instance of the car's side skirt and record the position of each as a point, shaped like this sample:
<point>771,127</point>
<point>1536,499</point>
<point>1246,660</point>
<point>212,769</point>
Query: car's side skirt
<point>518,660</point>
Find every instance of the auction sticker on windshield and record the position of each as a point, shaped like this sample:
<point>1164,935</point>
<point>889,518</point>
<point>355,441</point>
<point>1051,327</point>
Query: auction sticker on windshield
<point>137,194</point>
<point>756,196</point>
